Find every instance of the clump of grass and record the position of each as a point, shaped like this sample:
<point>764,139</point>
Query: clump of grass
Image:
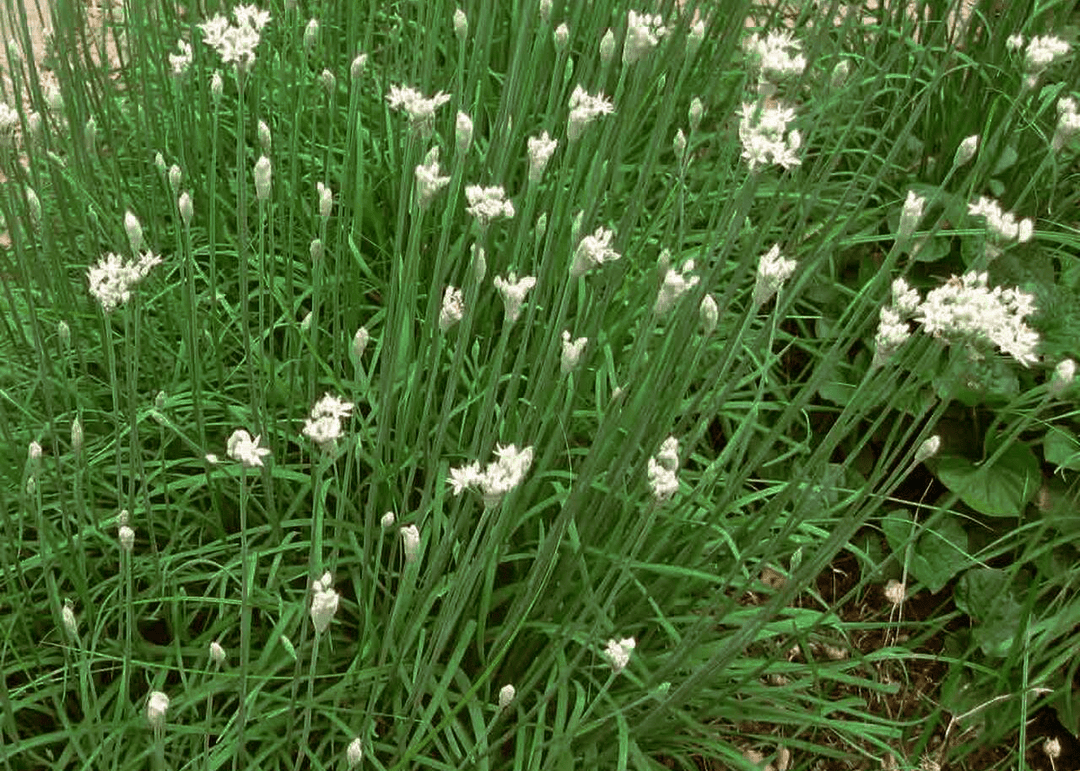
<point>628,316</point>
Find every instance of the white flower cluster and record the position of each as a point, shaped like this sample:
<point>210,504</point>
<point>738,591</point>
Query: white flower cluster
<point>180,62</point>
<point>584,109</point>
<point>571,351</point>
<point>593,250</point>
<point>618,653</point>
<point>420,109</point>
<point>513,293</point>
<point>497,478</point>
<point>324,602</point>
<point>1003,226</point>
<point>1068,123</point>
<point>676,284</point>
<point>765,137</point>
<point>965,310</point>
<point>323,425</point>
<point>453,308</point>
<point>236,43</point>
<point>773,270</point>
<point>541,149</point>
<point>777,55</point>
<point>488,203</point>
<point>643,33</point>
<point>662,470</point>
<point>428,181</point>
<point>241,447</point>
<point>113,277</point>
<point>1041,52</point>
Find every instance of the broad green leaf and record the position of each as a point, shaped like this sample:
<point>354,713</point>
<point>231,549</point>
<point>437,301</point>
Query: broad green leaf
<point>1007,158</point>
<point>1062,448</point>
<point>987,596</point>
<point>940,552</point>
<point>1002,489</point>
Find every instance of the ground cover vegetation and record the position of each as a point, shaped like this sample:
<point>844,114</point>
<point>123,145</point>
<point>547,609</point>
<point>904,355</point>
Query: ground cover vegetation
<point>541,385</point>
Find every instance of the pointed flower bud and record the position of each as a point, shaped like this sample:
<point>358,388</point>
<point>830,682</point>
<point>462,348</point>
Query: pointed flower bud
<point>1064,374</point>
<point>217,87</point>
<point>265,141</point>
<point>695,114</point>
<point>187,211</point>
<point>175,176</point>
<point>262,178</point>
<point>326,200</point>
<point>571,351</point>
<point>928,449</point>
<point>356,69</point>
<point>506,696</point>
<point>388,519</point>
<point>461,25</point>
<point>354,753</point>
<point>156,706</point>
<point>463,132</point>
<point>709,314</point>
<point>966,151</point>
<point>126,536</point>
<point>910,216</point>
<point>324,603</point>
<point>410,539</point>
<point>311,36</point>
<point>359,343</point>
<point>607,47</point>
<point>71,626</point>
<point>217,653</point>
<point>562,37</point>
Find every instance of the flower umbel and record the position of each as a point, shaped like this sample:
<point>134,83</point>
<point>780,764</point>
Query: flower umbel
<point>676,284</point>
<point>323,425</point>
<point>765,138</point>
<point>453,308</point>
<point>420,109</point>
<point>241,447</point>
<point>324,602</point>
<point>618,653</point>
<point>428,181</point>
<point>643,33</point>
<point>498,477</point>
<point>593,250</point>
<point>773,271</point>
<point>584,109</point>
<point>513,294</point>
<point>488,203</point>
<point>662,470</point>
<point>113,277</point>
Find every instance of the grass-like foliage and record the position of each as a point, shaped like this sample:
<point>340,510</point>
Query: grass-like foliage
<point>506,386</point>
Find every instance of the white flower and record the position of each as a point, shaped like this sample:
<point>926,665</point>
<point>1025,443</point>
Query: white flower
<point>180,62</point>
<point>113,277</point>
<point>324,603</point>
<point>326,199</point>
<point>892,333</point>
<point>618,653</point>
<point>910,216</point>
<point>262,178</point>
<point>354,753</point>
<point>359,343</point>
<point>643,33</point>
<point>156,706</point>
<point>311,35</point>
<point>251,16</point>
<point>453,308</point>
<point>488,203</point>
<point>498,477</point>
<point>777,56</point>
<point>541,149</point>
<point>236,43</point>
<point>765,138</point>
<point>506,696</point>
<point>676,284</point>
<point>1003,226</point>
<point>561,36</point>
<point>184,205</point>
<point>964,310</point>
<point>126,536</point>
<point>662,470</point>
<point>1042,51</point>
<point>323,425</point>
<point>1068,123</point>
<point>428,181</point>
<point>410,540</point>
<point>420,109</point>
<point>217,653</point>
<point>593,250</point>
<point>709,313</point>
<point>241,447</point>
<point>388,519</point>
<point>584,109</point>
<point>513,294</point>
<point>571,351</point>
<point>773,271</point>
<point>356,69</point>
<point>905,299</point>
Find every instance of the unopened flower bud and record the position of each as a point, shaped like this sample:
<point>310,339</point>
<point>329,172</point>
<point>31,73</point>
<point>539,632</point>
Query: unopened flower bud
<point>159,159</point>
<point>709,314</point>
<point>461,25</point>
<point>545,10</point>
<point>217,87</point>
<point>305,323</point>
<point>175,176</point>
<point>697,111</point>
<point>1064,374</point>
<point>329,82</point>
<point>71,626</point>
<point>186,208</point>
<point>410,538</point>
<point>928,448</point>
<point>356,69</point>
<point>354,753</point>
<point>122,517</point>
<point>359,343</point>
<point>326,200</point>
<point>695,37</point>
<point>562,37</point>
<point>679,145</point>
<point>126,536</point>
<point>34,452</point>
<point>33,204</point>
<point>311,35</point>
<point>324,603</point>
<point>316,250</point>
<point>464,132</point>
<point>388,519</point>
<point>541,226</point>
<point>840,73</point>
<point>76,436</point>
<point>895,592</point>
<point>63,331</point>
<point>262,178</point>
<point>217,653</point>
<point>479,262</point>
<point>910,216</point>
<point>265,141</point>
<point>506,696</point>
<point>966,151</point>
<point>156,707</point>
<point>607,47</point>
<point>134,232</point>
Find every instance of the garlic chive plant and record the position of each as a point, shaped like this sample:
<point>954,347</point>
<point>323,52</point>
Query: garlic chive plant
<point>498,384</point>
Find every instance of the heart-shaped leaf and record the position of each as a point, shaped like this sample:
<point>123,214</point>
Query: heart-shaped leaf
<point>1000,489</point>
